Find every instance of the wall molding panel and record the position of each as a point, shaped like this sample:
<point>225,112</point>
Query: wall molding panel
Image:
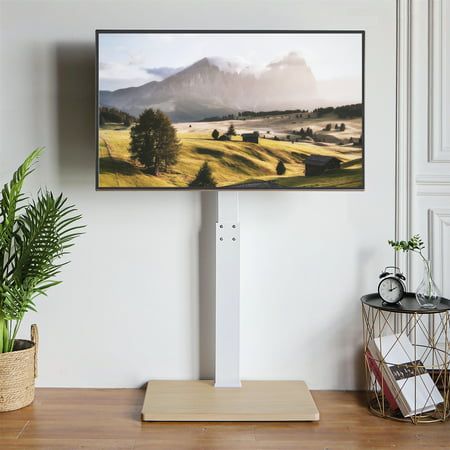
<point>433,185</point>
<point>433,179</point>
<point>438,81</point>
<point>403,170</point>
<point>439,236</point>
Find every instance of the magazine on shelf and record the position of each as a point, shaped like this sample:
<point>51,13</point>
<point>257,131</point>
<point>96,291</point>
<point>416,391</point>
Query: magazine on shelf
<point>405,375</point>
<point>382,383</point>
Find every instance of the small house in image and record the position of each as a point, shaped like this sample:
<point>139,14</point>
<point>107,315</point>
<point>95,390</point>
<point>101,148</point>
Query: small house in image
<point>251,137</point>
<point>318,164</point>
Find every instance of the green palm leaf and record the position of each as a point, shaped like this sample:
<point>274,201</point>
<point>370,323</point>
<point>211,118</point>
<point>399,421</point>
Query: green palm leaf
<point>12,197</point>
<point>33,239</point>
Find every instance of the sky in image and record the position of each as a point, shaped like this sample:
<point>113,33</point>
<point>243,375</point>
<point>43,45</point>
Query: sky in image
<point>132,59</point>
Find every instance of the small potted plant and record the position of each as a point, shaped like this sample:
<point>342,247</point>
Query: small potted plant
<point>34,235</point>
<point>427,293</point>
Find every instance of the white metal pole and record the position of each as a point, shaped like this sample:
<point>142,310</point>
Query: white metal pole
<point>227,290</point>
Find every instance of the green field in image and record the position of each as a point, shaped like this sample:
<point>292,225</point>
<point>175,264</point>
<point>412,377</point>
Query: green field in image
<point>232,162</point>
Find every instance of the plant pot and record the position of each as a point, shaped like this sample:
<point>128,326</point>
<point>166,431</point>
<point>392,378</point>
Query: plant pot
<point>18,370</point>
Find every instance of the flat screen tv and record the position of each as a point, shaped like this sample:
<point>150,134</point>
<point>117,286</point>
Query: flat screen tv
<point>241,110</point>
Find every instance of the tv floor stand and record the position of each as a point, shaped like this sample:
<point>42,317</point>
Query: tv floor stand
<point>227,398</point>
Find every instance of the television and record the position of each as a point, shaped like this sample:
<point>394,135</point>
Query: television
<point>198,109</point>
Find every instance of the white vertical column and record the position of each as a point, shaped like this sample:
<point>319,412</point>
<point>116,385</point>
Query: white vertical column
<point>227,290</point>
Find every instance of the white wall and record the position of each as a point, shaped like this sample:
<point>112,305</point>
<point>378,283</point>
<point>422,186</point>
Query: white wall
<point>128,309</point>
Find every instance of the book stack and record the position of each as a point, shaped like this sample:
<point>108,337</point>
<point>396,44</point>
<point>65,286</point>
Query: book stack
<point>405,382</point>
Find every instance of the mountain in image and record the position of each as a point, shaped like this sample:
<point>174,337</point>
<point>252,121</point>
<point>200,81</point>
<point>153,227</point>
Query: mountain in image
<point>216,87</point>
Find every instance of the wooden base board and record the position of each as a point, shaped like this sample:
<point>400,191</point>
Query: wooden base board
<point>260,401</point>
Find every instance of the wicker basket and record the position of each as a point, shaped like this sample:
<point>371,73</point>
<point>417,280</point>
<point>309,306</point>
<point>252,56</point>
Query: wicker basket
<point>18,369</point>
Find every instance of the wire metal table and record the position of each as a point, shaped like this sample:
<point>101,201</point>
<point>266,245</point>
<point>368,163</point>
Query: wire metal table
<point>407,359</point>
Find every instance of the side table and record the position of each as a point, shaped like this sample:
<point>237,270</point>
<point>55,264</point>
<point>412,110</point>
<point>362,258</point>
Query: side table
<point>407,359</point>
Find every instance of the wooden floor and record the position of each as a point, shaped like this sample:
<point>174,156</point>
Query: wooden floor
<point>110,419</point>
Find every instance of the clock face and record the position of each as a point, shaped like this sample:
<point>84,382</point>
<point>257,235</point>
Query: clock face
<point>391,290</point>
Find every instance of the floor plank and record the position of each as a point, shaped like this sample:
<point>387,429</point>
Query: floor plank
<point>11,428</point>
<point>110,419</point>
<point>67,444</point>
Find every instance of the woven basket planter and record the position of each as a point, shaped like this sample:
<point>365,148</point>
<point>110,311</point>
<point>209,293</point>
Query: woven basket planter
<point>18,369</point>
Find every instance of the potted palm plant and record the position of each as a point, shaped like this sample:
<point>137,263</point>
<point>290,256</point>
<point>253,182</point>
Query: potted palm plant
<point>34,235</point>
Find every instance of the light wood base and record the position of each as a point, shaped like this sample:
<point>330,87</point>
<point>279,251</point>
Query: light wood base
<point>260,401</point>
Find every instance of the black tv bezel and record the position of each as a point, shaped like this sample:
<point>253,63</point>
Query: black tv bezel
<point>204,31</point>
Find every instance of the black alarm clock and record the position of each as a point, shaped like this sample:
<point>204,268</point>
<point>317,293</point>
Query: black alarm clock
<point>392,287</point>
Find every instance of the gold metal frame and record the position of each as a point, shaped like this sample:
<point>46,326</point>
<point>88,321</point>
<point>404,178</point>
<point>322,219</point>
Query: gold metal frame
<point>429,335</point>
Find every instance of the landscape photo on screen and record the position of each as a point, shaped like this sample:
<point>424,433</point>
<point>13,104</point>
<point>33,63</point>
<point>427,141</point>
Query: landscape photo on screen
<point>230,110</point>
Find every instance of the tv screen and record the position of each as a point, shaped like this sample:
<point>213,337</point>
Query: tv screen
<point>230,109</point>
